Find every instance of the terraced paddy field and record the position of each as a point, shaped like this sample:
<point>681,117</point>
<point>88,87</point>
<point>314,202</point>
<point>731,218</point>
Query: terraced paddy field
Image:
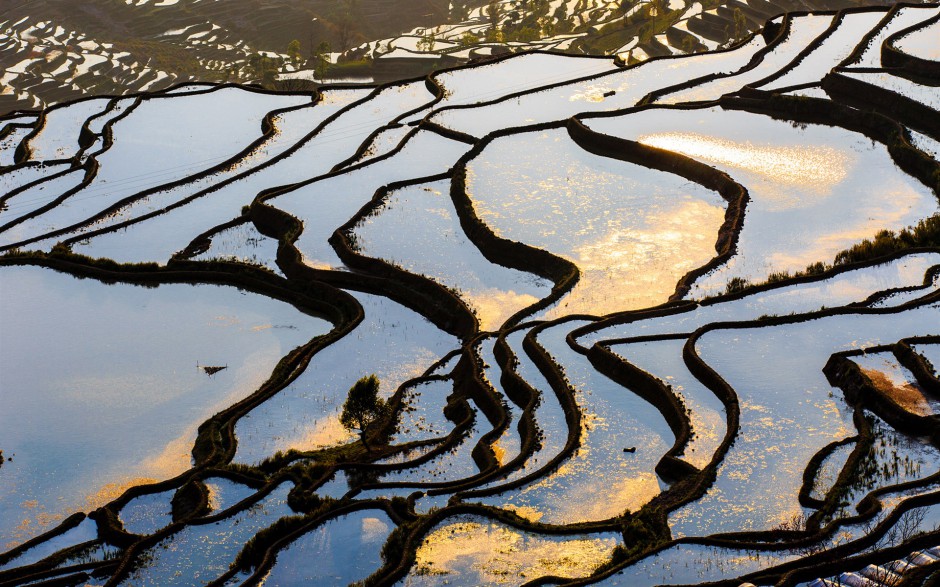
<point>53,51</point>
<point>674,322</point>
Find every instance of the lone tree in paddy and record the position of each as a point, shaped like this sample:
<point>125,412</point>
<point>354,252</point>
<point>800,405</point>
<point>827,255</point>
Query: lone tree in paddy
<point>363,407</point>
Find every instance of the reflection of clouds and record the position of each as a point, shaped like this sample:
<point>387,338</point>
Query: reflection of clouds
<point>374,530</point>
<point>619,481</point>
<point>493,306</point>
<point>632,231</point>
<point>828,187</point>
<point>628,268</point>
<point>614,491</point>
<point>894,208</point>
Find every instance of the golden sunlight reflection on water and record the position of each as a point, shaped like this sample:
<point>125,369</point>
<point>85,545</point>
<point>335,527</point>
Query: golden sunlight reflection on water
<point>636,267</point>
<point>494,306</point>
<point>325,432</point>
<point>831,189</point>
<point>560,495</point>
<point>812,167</point>
<point>598,468</point>
<point>111,491</point>
<point>499,555</point>
<point>40,520</point>
<point>633,232</point>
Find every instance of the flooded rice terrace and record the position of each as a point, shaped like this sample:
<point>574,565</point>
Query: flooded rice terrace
<point>667,323</point>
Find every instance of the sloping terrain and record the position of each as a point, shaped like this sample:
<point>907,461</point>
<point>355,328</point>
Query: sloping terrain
<point>56,50</point>
<point>670,323</point>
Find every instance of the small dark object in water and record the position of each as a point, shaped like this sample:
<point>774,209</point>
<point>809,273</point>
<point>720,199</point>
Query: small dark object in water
<point>631,449</point>
<point>212,370</point>
<point>610,93</point>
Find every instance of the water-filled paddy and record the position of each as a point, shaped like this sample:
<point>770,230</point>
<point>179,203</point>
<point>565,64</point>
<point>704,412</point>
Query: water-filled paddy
<point>831,467</point>
<point>803,30</point>
<point>690,564</point>
<point>127,405</point>
<point>422,417</point>
<point>609,91</point>
<point>242,243</point>
<point>8,122</point>
<point>58,137</point>
<point>144,152</point>
<point>85,531</point>
<point>831,51</point>
<point>788,412</point>
<point>170,232</point>
<point>10,142</point>
<point>392,341</point>
<point>385,142</point>
<point>201,553</point>
<point>480,84</point>
<point>923,94</point>
<point>452,465</point>
<point>118,107</point>
<point>613,422</point>
<point>830,187</point>
<point>105,386</point>
<point>508,446</point>
<point>224,493</point>
<point>633,232</point>
<point>931,352</point>
<point>907,295</point>
<point>417,229</point>
<point>892,458</point>
<point>35,197</point>
<point>326,204</point>
<point>663,359</point>
<point>290,128</point>
<point>847,287</point>
<point>19,177</point>
<point>922,42</point>
<point>341,551</point>
<point>548,414</point>
<point>147,513</point>
<point>902,19</point>
<point>469,550</point>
